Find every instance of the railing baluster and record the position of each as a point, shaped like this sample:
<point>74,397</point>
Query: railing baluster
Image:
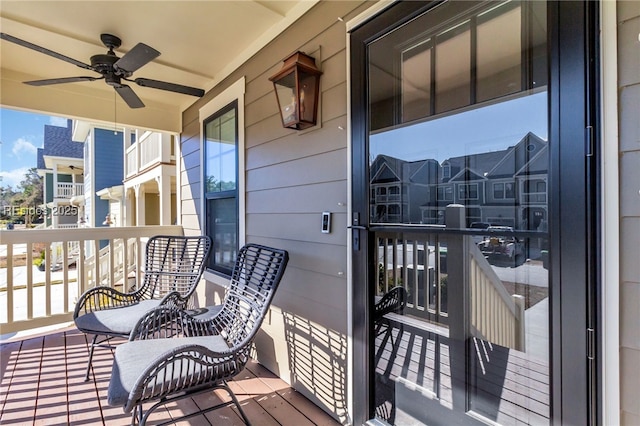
<point>65,276</point>
<point>9,283</point>
<point>112,262</point>
<point>29,266</point>
<point>125,262</point>
<point>82,277</point>
<point>96,262</point>
<point>47,279</point>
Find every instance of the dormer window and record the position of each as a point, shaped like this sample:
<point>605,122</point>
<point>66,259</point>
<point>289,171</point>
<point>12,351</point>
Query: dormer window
<point>446,171</point>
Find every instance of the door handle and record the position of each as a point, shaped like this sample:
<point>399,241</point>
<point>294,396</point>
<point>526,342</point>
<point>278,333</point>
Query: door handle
<point>356,235</point>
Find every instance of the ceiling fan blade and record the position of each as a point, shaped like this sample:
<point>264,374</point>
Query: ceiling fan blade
<point>44,50</point>
<point>61,80</point>
<point>171,87</point>
<point>129,96</point>
<point>140,55</point>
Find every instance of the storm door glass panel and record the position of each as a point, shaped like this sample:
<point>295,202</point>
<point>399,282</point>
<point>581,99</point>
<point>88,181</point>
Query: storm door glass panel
<point>221,175</point>
<point>459,213</point>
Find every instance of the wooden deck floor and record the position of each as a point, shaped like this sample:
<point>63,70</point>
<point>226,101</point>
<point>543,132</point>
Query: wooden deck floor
<point>414,379</point>
<point>42,384</point>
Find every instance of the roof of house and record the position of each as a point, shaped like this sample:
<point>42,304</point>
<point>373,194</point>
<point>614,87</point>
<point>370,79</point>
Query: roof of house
<point>528,156</point>
<point>58,143</point>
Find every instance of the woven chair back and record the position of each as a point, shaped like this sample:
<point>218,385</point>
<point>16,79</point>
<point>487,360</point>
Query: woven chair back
<point>255,278</point>
<point>174,263</point>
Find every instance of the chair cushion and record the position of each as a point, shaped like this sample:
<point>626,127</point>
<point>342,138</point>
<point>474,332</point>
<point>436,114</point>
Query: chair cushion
<point>115,320</point>
<point>133,358</point>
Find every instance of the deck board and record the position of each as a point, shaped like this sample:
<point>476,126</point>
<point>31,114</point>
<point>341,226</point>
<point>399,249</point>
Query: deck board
<point>42,383</point>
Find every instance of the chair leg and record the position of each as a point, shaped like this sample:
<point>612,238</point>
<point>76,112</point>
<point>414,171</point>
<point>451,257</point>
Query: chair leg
<point>223,385</point>
<point>226,387</point>
<point>93,345</point>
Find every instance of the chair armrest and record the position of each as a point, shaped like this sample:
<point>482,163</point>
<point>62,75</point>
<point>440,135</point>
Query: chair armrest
<point>174,299</point>
<point>168,320</point>
<point>102,297</point>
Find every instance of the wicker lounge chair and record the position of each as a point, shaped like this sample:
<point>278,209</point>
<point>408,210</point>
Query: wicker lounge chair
<point>173,267</point>
<point>174,354</point>
<point>393,301</point>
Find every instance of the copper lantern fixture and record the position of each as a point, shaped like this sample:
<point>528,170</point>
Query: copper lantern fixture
<point>297,87</point>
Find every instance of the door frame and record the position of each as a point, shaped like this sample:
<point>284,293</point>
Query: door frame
<point>574,80</point>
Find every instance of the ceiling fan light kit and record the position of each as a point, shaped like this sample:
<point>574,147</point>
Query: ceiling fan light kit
<point>113,69</point>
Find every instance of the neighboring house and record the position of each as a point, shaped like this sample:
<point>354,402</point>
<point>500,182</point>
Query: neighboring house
<point>130,176</point>
<point>506,187</point>
<point>103,168</point>
<point>149,184</point>
<point>60,163</point>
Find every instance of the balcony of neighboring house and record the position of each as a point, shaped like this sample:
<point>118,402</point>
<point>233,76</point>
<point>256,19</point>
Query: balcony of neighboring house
<point>67,191</point>
<point>145,150</point>
<point>63,181</point>
<point>150,178</point>
<point>44,356</point>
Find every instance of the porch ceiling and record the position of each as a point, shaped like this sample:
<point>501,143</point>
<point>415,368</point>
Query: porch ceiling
<point>200,42</point>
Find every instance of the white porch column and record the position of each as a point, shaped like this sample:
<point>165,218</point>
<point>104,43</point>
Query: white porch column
<point>164,192</point>
<point>55,181</point>
<point>140,206</point>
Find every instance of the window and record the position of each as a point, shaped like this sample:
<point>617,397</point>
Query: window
<point>502,191</point>
<point>468,191</point>
<point>221,186</point>
<point>221,164</point>
<point>446,171</point>
<point>445,193</point>
<point>535,191</point>
<point>498,191</point>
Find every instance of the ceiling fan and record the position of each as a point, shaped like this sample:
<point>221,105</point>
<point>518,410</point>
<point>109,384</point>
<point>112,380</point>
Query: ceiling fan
<point>112,69</point>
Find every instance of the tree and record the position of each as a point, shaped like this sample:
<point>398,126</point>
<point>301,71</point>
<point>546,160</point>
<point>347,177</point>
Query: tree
<point>6,196</point>
<point>27,200</point>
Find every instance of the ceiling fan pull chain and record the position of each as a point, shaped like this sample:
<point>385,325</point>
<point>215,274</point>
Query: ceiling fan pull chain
<point>115,131</point>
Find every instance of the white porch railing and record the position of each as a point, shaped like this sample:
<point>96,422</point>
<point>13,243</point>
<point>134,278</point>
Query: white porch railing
<point>152,148</point>
<point>69,190</point>
<point>67,225</point>
<point>423,265</point>
<point>496,315</point>
<point>30,298</point>
<point>124,268</point>
<point>131,160</point>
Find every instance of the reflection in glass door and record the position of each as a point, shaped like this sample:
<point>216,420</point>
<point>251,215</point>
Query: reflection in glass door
<point>458,148</point>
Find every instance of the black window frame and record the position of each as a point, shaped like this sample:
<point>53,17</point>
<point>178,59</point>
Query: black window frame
<point>212,265</point>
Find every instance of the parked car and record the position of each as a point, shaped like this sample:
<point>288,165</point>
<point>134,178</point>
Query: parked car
<point>479,225</point>
<point>500,246</point>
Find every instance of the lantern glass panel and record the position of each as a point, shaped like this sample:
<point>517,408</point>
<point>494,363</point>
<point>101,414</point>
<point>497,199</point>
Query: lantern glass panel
<point>286,93</point>
<point>308,84</point>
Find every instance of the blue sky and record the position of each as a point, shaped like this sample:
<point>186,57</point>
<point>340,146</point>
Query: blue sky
<point>21,133</point>
<point>491,128</point>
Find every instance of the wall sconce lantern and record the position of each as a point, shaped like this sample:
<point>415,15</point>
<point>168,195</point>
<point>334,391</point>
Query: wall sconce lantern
<point>297,87</point>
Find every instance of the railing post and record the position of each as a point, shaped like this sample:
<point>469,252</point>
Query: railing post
<point>458,306</point>
<point>520,335</point>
